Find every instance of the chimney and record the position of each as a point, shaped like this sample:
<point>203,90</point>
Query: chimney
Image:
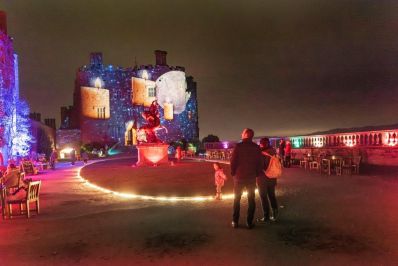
<point>35,116</point>
<point>50,122</point>
<point>96,59</point>
<point>161,58</point>
<point>3,22</point>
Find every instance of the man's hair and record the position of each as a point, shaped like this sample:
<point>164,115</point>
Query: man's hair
<point>249,133</point>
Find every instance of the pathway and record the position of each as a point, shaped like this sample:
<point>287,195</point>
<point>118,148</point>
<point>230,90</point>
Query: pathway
<point>324,220</point>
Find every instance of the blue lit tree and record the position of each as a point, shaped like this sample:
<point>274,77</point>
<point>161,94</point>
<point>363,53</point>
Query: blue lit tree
<point>15,121</point>
<point>21,134</point>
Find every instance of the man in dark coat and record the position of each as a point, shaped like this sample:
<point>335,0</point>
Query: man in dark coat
<point>246,165</point>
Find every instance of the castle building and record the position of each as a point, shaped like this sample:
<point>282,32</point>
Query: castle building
<point>109,101</point>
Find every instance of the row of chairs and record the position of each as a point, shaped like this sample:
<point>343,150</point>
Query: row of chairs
<point>337,165</point>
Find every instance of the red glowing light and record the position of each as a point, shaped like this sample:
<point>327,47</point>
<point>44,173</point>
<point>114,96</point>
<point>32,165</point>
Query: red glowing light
<point>152,154</point>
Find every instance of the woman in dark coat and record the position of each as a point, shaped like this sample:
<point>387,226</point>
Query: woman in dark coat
<point>266,186</point>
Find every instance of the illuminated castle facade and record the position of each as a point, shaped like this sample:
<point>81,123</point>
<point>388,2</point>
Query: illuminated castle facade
<point>109,101</point>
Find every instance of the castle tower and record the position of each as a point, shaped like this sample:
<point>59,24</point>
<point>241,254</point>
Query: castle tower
<point>3,21</point>
<point>161,58</point>
<point>96,59</point>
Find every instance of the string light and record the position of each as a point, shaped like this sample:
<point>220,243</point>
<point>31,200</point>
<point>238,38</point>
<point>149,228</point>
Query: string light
<point>154,198</point>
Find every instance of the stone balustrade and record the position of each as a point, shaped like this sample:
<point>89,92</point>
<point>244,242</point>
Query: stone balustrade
<point>382,138</point>
<point>378,147</point>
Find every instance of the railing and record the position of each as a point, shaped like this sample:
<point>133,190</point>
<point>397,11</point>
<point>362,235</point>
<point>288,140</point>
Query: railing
<point>223,154</point>
<point>383,138</point>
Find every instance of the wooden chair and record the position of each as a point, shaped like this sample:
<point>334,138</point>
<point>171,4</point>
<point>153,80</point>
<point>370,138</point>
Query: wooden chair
<point>305,162</point>
<point>355,164</point>
<point>338,163</point>
<point>32,195</point>
<point>325,166</point>
<point>28,168</point>
<point>3,191</point>
<point>293,159</point>
<point>346,167</point>
<point>314,165</point>
<point>14,181</point>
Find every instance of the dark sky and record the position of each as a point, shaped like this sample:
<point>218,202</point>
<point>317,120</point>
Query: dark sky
<point>278,66</point>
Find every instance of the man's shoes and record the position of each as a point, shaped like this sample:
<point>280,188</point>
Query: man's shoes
<point>275,215</point>
<point>263,220</point>
<point>249,225</point>
<point>234,224</point>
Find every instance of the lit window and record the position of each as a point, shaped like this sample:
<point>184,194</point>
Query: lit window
<point>151,92</point>
<point>101,112</point>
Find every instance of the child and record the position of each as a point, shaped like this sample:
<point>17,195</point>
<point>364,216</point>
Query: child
<point>85,157</point>
<point>178,154</point>
<point>219,178</point>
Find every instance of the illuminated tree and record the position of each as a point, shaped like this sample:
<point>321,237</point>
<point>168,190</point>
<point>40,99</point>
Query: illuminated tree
<point>21,137</point>
<point>16,124</point>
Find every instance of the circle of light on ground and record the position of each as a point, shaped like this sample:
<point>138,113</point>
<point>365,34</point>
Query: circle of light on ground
<point>185,179</point>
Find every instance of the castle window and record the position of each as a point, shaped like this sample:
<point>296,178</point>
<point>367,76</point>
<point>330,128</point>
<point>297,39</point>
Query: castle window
<point>151,92</point>
<point>101,112</point>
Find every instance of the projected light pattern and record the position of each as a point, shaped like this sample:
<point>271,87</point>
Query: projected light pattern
<point>130,92</point>
<point>95,102</point>
<point>171,87</point>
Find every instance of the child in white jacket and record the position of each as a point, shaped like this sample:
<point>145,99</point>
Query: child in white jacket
<point>219,179</point>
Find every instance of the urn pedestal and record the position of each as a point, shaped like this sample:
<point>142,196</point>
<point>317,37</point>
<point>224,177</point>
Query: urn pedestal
<point>152,154</point>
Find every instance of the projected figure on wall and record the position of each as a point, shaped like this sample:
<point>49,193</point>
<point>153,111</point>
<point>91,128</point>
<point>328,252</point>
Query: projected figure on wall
<point>147,133</point>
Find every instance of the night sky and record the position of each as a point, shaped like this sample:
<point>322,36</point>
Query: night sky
<point>281,67</point>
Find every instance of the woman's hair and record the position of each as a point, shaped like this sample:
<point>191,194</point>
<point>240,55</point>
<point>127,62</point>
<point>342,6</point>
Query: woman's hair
<point>264,142</point>
<point>12,166</point>
<point>218,165</point>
